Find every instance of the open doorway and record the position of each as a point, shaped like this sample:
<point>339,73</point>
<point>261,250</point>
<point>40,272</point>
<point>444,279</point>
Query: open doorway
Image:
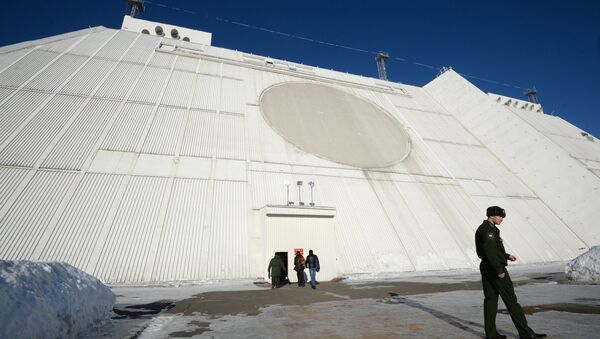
<point>284,275</point>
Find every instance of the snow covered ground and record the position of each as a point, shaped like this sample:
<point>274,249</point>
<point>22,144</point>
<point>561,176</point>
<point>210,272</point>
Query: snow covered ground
<point>415,305</point>
<point>50,300</point>
<point>586,267</point>
<point>560,309</point>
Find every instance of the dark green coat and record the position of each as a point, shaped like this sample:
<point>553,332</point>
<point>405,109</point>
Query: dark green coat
<point>490,249</point>
<point>276,266</point>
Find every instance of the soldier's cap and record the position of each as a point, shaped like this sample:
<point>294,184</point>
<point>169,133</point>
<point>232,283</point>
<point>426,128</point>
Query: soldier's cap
<point>496,211</point>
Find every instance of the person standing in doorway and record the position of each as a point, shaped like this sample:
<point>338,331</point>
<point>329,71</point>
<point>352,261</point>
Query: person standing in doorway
<point>299,267</point>
<point>275,269</point>
<point>495,278</point>
<point>312,263</point>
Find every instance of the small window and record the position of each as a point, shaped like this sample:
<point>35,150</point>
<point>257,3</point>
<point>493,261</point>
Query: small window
<point>159,30</point>
<point>186,39</point>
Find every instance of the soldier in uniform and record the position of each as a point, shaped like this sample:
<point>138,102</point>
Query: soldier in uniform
<point>495,278</point>
<point>276,267</point>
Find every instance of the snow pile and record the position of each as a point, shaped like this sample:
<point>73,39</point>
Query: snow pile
<point>585,267</point>
<point>50,300</point>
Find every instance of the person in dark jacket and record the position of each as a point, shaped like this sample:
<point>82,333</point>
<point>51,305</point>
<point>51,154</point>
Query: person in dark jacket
<point>275,269</point>
<point>313,265</point>
<point>495,278</point>
<point>299,268</point>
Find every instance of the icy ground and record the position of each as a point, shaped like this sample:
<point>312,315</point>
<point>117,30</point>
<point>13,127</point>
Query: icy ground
<point>553,306</point>
<point>585,267</point>
<point>50,300</point>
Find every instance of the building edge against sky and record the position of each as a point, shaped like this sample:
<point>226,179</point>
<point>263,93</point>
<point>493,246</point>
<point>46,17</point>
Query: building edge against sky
<point>142,158</point>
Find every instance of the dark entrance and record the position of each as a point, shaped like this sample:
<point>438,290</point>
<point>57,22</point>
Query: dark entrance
<point>284,275</point>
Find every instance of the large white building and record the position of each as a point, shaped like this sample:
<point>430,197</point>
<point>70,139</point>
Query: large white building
<point>141,158</point>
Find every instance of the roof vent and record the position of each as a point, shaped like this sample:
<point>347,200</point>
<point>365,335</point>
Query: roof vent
<point>174,33</point>
<point>159,30</point>
<point>145,31</point>
<point>186,39</point>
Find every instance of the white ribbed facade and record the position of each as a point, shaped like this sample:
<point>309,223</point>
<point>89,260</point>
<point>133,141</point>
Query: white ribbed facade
<point>140,158</point>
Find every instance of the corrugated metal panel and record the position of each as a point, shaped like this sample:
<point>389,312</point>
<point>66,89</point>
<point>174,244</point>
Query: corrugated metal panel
<point>128,128</point>
<point>180,252</point>
<point>117,45</point>
<point>418,100</point>
<point>413,238</point>
<point>61,45</point>
<point>17,109</point>
<point>357,243</point>
<point>5,92</point>
<point>9,57</point>
<point>226,242</point>
<point>10,178</point>
<point>367,240</point>
<point>22,70</point>
<point>57,73</point>
<point>119,81</point>
<point>186,64</point>
<point>89,77</point>
<point>127,247</point>
<point>150,85</point>
<point>165,131</point>
<point>235,72</point>
<point>455,211</point>
<point>436,126</point>
<point>548,123</point>
<point>266,144</point>
<point>199,139</point>
<point>209,68</point>
<point>562,243</point>
<point>578,147</point>
<point>75,146</point>
<point>142,48</point>
<point>232,96</point>
<point>162,60</point>
<point>32,141</point>
<point>92,42</point>
<point>231,137</point>
<point>565,186</point>
<point>268,188</point>
<point>78,230</point>
<point>179,89</point>
<point>26,221</point>
<point>206,95</point>
<point>478,163</point>
<point>445,243</point>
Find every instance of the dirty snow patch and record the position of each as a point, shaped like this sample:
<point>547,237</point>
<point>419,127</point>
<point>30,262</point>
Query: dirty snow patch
<point>585,267</point>
<point>50,300</point>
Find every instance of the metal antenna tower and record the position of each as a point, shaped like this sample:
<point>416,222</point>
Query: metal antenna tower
<point>531,95</point>
<point>135,6</point>
<point>381,58</point>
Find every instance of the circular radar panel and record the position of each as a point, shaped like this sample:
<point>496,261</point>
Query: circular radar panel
<point>335,125</point>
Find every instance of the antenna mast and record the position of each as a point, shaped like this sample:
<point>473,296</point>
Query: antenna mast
<point>381,58</point>
<point>135,6</point>
<point>531,94</point>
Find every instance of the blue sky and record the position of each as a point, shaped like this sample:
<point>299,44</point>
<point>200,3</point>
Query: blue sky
<point>552,45</point>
